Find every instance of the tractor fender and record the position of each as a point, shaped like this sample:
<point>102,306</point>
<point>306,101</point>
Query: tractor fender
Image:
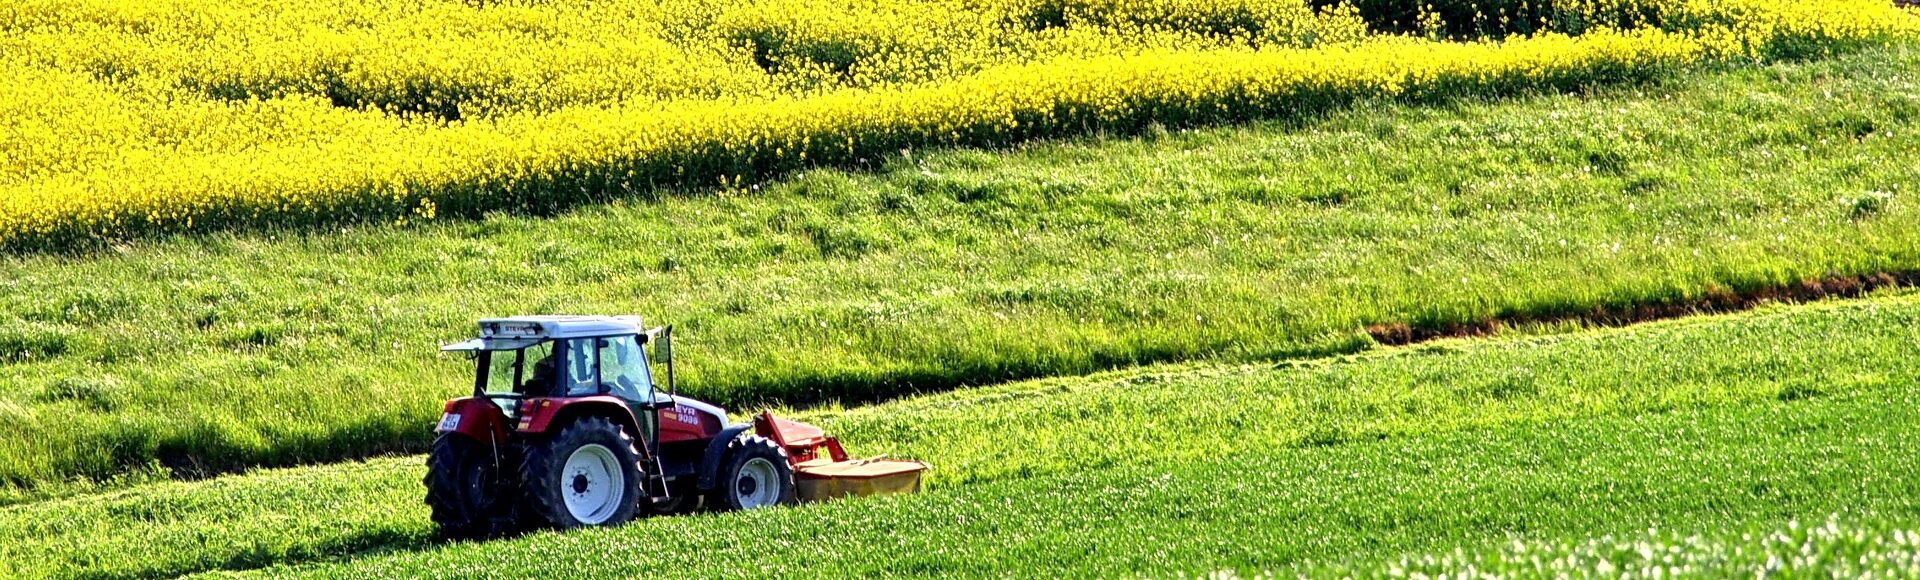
<point>716,449</point>
<point>545,414</point>
<point>475,418</point>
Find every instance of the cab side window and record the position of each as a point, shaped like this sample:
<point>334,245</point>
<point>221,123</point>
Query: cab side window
<point>528,371</point>
<point>582,373</point>
<point>623,369</point>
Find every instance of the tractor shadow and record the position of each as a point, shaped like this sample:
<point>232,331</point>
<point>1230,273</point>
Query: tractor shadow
<point>369,543</point>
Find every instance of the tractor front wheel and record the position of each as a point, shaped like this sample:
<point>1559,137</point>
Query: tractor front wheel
<point>464,489</point>
<point>754,474</point>
<point>587,475</point>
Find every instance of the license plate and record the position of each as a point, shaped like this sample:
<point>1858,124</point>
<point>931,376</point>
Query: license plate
<point>449,422</point>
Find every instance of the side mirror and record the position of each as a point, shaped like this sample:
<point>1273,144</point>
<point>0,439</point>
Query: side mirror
<point>663,354</point>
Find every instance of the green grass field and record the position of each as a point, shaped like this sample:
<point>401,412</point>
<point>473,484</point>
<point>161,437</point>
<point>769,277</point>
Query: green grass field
<point>937,270</point>
<point>1169,352</point>
<point>1574,442</point>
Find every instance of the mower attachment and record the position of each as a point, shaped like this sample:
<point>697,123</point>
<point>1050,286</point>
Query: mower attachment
<point>821,480</point>
<point>822,470</point>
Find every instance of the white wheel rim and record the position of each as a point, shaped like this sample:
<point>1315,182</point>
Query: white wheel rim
<point>593,484</point>
<point>758,485</point>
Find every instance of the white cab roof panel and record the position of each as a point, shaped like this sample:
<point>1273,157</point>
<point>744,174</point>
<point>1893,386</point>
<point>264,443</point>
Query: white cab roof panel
<point>551,327</point>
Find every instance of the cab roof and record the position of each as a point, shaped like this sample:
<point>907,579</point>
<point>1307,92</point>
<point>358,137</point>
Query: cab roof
<point>560,326</point>
<point>518,332</point>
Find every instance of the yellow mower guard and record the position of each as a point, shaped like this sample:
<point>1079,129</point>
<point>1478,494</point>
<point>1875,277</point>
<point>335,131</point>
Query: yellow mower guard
<point>822,470</point>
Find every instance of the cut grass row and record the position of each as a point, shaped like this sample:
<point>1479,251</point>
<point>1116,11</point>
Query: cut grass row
<point>203,355</point>
<point>1789,412</point>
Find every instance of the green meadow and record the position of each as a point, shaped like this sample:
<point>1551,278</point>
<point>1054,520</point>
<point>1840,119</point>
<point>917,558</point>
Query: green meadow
<point>929,271</point>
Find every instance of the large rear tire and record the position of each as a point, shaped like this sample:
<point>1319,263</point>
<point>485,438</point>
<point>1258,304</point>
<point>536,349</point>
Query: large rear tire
<point>587,475</point>
<point>464,489</point>
<point>754,474</point>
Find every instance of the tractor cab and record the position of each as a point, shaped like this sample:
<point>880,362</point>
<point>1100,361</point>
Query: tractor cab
<point>543,357</point>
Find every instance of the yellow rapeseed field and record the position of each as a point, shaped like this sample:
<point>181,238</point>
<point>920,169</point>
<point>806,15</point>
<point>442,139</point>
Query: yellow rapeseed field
<point>122,118</point>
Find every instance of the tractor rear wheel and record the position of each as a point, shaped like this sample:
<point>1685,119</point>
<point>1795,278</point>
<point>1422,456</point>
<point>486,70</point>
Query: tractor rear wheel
<point>464,489</point>
<point>753,474</point>
<point>587,475</point>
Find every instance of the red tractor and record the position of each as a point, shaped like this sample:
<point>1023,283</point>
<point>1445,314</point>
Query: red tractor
<point>567,427</point>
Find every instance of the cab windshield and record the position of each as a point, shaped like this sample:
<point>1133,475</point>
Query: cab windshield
<point>527,371</point>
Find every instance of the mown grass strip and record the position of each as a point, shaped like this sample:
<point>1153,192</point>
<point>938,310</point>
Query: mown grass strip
<point>1057,426</point>
<point>1383,446</point>
<point>1719,300</point>
<point>200,356</point>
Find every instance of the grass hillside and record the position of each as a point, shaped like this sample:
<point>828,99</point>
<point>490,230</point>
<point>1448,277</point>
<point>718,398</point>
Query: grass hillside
<point>939,269</point>
<point>1318,288</point>
<point>1566,443</point>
